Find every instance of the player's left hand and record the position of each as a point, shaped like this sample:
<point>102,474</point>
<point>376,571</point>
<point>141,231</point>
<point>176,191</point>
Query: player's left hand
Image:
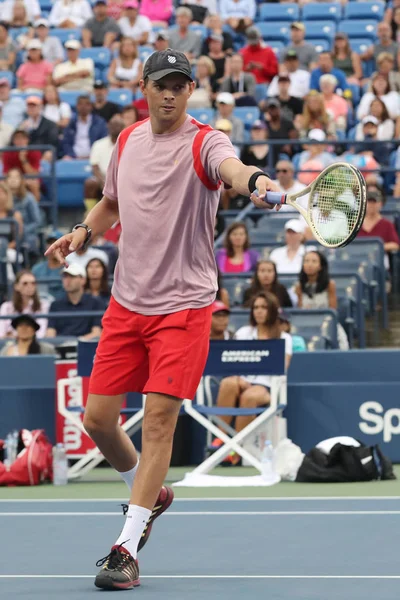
<point>264,185</point>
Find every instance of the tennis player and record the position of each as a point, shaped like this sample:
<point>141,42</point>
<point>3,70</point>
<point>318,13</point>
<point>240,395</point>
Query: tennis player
<point>163,184</point>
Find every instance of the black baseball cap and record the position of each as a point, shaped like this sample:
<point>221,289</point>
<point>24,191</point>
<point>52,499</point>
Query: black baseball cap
<point>162,63</point>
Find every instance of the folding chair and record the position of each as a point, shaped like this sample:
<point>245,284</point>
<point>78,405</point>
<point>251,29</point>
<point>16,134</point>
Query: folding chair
<point>253,357</point>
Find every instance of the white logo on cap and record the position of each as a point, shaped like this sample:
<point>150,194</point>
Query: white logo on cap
<point>172,59</point>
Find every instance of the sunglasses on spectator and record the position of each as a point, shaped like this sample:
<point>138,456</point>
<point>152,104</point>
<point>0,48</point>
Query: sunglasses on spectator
<point>281,170</point>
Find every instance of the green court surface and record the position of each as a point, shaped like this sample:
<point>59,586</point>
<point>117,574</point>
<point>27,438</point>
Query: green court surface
<point>105,483</point>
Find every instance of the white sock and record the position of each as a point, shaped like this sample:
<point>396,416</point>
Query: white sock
<point>135,523</point>
<point>129,476</point>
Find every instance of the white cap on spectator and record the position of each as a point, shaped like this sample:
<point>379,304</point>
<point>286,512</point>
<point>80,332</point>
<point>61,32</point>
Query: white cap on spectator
<point>316,134</point>
<point>226,98</point>
<point>34,45</point>
<point>75,270</point>
<point>370,119</point>
<point>294,225</point>
<point>72,45</point>
<point>41,23</point>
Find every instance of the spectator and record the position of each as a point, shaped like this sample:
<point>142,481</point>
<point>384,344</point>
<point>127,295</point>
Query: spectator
<point>27,206</point>
<point>396,190</point>
<point>135,26</point>
<point>84,129</point>
<point>25,300</point>
<point>305,51</point>
<point>101,106</point>
<point>54,110</point>
<point>346,60</point>
<point>49,270</point>
<point>75,300</point>
<point>279,128</point>
<point>299,78</point>
<point>182,38</point>
<point>158,12</point>
<point>200,9</point>
<point>82,257</point>
<point>32,8</point>
<point>129,115</point>
<point>126,69</point>
<point>215,25</point>
<point>395,25</point>
<point>8,50</point>
<point>314,157</point>
<point>41,130</point>
<point>27,161</point>
<point>13,108</point>
<point>238,14</point>
<point>385,66</point>
<point>5,129</point>
<point>161,41</point>
<point>97,280</point>
<point>335,105</point>
<point>52,49</point>
<point>225,107</point>
<point>369,132</point>
<point>236,257</point>
<point>379,116</point>
<point>100,30</point>
<point>206,84</point>
<point>287,183</point>
<point>219,321</point>
<point>222,293</point>
<point>325,65</point>
<point>19,17</point>
<point>252,391</point>
<point>375,225</point>
<point>383,44</point>
<point>315,290</point>
<point>225,126</point>
<point>7,211</point>
<point>70,14</point>
<point>290,105</point>
<point>100,155</point>
<point>298,342</point>
<point>288,258</point>
<point>380,88</point>
<point>315,116</point>
<point>258,58</point>
<point>75,73</point>
<point>26,343</point>
<point>218,56</point>
<point>257,154</point>
<point>265,280</point>
<point>241,85</point>
<point>35,73</point>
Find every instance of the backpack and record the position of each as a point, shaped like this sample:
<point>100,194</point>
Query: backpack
<point>34,462</point>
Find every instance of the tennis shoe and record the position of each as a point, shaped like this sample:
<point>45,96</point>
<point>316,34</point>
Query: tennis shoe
<point>119,570</point>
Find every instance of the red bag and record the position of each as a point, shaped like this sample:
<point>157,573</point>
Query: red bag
<point>34,462</point>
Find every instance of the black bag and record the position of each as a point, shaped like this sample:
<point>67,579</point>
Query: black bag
<point>345,464</point>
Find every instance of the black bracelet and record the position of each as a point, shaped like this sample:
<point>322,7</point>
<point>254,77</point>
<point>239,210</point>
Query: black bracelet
<point>253,179</point>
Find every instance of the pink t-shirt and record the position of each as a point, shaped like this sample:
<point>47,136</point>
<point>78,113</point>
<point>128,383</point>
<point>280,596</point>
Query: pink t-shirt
<point>337,106</point>
<point>156,10</point>
<point>35,75</point>
<point>166,261</point>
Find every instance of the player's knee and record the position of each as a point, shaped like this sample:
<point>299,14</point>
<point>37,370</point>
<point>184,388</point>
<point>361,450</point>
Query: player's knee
<point>158,426</point>
<point>94,425</point>
<point>229,384</point>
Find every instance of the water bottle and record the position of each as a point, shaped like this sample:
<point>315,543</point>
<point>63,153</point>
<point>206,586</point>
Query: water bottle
<point>11,448</point>
<point>267,463</point>
<point>60,465</point>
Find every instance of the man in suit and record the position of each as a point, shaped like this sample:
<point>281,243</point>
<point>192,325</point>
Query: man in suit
<point>41,131</point>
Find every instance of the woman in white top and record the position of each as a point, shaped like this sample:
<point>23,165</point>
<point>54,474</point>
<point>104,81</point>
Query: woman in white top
<point>25,300</point>
<point>126,70</point>
<point>55,110</point>
<point>252,391</point>
<point>70,14</point>
<point>380,89</point>
<point>386,125</point>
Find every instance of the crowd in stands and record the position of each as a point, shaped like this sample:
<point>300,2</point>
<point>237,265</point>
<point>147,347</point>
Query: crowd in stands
<point>63,66</point>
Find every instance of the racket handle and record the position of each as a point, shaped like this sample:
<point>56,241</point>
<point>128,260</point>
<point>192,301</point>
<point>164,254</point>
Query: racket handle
<point>275,198</point>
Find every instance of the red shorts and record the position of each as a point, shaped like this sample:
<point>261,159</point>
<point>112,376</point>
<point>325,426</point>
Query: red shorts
<point>162,353</point>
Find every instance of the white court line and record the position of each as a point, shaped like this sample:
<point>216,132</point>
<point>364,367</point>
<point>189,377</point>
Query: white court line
<point>210,576</point>
<point>236,513</point>
<point>245,499</point>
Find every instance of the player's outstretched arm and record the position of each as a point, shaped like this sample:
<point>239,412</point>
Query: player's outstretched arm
<point>99,220</point>
<point>234,173</point>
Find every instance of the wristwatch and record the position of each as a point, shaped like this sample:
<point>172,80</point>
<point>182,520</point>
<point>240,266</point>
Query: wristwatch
<point>88,234</point>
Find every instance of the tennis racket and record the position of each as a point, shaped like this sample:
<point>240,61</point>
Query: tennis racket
<point>336,204</point>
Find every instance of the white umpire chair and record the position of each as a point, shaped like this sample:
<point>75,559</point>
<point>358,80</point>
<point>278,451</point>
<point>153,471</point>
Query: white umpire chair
<point>234,357</point>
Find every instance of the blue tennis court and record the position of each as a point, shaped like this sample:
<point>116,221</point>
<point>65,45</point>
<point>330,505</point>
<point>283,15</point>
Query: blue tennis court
<point>275,548</point>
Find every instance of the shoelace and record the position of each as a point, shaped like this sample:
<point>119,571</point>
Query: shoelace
<point>116,559</point>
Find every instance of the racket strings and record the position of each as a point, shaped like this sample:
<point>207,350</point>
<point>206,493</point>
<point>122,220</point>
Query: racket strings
<point>335,205</point>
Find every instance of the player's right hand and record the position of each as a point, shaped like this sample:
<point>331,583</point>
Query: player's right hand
<point>66,244</point>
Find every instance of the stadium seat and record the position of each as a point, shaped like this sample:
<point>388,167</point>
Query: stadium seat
<point>70,96</point>
<point>122,97</point>
<point>15,32</point>
<point>316,11</point>
<point>358,29</point>
<point>321,30</point>
<point>204,115</point>
<point>100,56</point>
<point>202,30</point>
<point>277,46</point>
<point>278,12</point>
<point>66,34</point>
<point>9,76</point>
<point>144,52</point>
<point>45,5</point>
<point>247,114</point>
<point>360,45</point>
<point>275,31</point>
<point>321,45</point>
<point>261,91</point>
<point>70,177</point>
<point>364,10</point>
<point>236,285</point>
